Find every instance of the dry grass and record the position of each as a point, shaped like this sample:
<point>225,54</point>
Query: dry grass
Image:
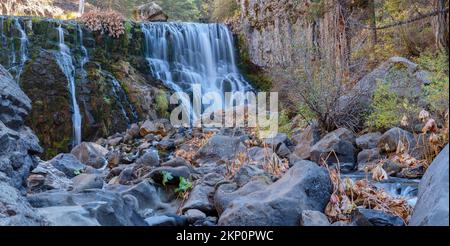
<point>106,22</point>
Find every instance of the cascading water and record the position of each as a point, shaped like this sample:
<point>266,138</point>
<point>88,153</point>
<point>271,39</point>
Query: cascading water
<point>64,59</point>
<point>185,54</point>
<point>17,61</point>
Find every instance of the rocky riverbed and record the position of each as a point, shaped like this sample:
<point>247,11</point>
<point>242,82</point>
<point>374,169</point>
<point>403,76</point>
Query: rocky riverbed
<point>153,174</point>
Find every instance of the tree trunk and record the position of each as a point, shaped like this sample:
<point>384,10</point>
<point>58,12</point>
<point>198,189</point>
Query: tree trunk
<point>440,25</point>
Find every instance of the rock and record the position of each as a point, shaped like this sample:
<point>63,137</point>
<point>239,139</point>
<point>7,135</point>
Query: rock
<point>283,151</point>
<point>149,158</point>
<point>147,198</point>
<point>368,156</point>
<point>114,141</point>
<point>390,140</point>
<point>276,141</point>
<point>433,198</point>
<point>51,198</point>
<point>305,140</point>
<point>202,195</point>
<point>68,164</point>
<point>220,147</point>
<point>68,216</point>
<point>91,154</point>
<point>193,215</point>
<point>87,181</point>
<point>176,162</point>
<point>405,79</point>
<point>164,220</point>
<point>392,168</point>
<point>166,144</point>
<point>313,218</point>
<point>258,155</point>
<point>114,158</point>
<point>208,221</point>
<point>306,186</point>
<point>246,173</point>
<point>133,131</point>
<point>336,147</point>
<point>126,176</point>
<point>46,177</point>
<point>157,127</point>
<point>14,208</point>
<point>368,141</point>
<point>372,217</point>
<point>150,12</point>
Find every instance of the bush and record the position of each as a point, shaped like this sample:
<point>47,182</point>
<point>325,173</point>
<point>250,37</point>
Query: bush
<point>389,110</point>
<point>437,93</point>
<point>162,104</point>
<point>224,10</point>
<point>106,22</point>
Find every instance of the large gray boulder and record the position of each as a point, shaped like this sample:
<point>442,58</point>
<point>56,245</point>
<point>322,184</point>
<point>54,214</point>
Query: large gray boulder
<point>305,140</point>
<point>68,164</point>
<point>150,12</point>
<point>432,204</point>
<point>91,154</point>
<point>306,186</point>
<point>220,147</point>
<point>336,147</point>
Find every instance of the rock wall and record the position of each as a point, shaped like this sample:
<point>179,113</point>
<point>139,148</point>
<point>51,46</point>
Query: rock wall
<point>276,32</point>
<point>114,87</point>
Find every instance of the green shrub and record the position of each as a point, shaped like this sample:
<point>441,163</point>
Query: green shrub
<point>162,104</point>
<point>390,110</point>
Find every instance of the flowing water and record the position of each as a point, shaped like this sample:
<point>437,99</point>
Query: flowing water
<point>64,59</point>
<point>186,54</point>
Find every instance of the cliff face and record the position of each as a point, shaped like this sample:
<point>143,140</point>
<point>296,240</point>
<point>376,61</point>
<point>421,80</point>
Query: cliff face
<point>276,31</point>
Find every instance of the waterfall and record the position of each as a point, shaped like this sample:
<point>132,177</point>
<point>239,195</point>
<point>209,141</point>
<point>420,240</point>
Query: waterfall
<point>121,96</point>
<point>184,54</point>
<point>64,59</point>
<point>17,61</point>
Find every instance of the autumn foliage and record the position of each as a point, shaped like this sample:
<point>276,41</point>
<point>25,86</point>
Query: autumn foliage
<point>106,22</point>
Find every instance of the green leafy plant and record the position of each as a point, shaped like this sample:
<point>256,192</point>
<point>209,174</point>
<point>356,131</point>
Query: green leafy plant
<point>77,172</point>
<point>183,186</point>
<point>162,104</point>
<point>167,176</point>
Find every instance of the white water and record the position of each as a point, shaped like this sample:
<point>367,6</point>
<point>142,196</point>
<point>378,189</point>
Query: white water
<point>17,61</point>
<point>184,54</point>
<point>64,59</point>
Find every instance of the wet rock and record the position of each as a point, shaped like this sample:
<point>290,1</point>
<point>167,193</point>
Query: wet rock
<point>150,12</point>
<point>149,158</point>
<point>305,140</point>
<point>368,141</point>
<point>147,198</point>
<point>87,181</point>
<point>336,147</point>
<point>306,186</point>
<point>433,198</point>
<point>164,220</point>
<point>91,154</point>
<point>68,216</point>
<point>314,218</point>
<point>372,217</point>
<point>68,164</point>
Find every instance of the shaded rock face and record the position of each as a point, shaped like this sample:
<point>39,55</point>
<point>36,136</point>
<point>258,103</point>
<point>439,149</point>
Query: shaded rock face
<point>150,12</point>
<point>113,89</point>
<point>305,186</point>
<point>433,200</point>
<point>18,145</point>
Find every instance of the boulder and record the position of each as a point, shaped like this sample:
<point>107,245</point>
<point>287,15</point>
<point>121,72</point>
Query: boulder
<point>368,156</point>
<point>91,154</point>
<point>305,140</point>
<point>176,173</point>
<point>202,195</point>
<point>150,12</point>
<point>68,216</point>
<point>155,127</point>
<point>372,217</point>
<point>433,198</point>
<point>164,220</point>
<point>391,139</point>
<point>15,209</point>
<point>68,164</point>
<point>220,147</point>
<point>335,147</point>
<point>246,173</point>
<point>306,186</point>
<point>150,158</point>
<point>194,215</point>
<point>87,181</point>
<point>46,177</point>
<point>314,218</point>
<point>368,141</point>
